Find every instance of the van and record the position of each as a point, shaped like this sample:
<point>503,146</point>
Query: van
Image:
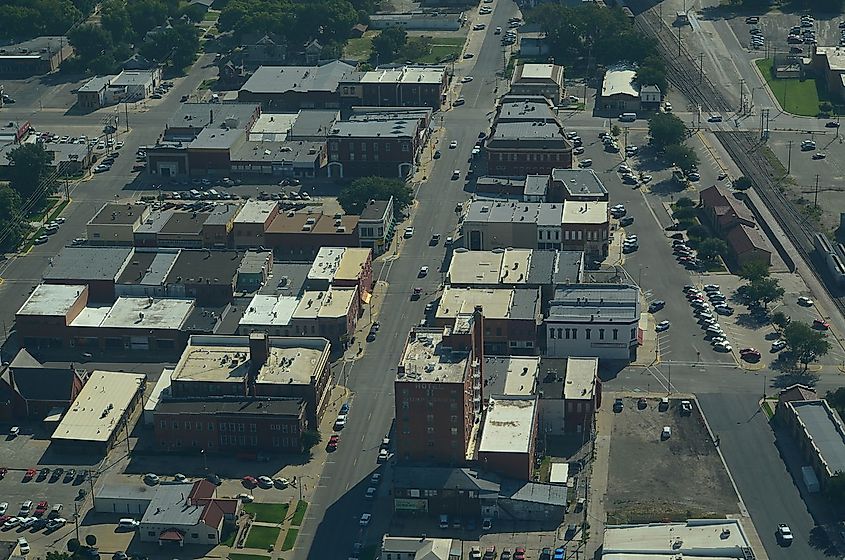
<point>127,523</point>
<point>628,117</point>
<point>444,521</point>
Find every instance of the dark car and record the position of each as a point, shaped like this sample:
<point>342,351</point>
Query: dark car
<point>571,531</point>
<point>57,474</point>
<point>42,474</point>
<point>656,305</point>
<point>70,475</point>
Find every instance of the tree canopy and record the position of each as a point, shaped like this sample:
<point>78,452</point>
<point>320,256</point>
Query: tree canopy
<point>709,249</point>
<point>665,130</point>
<point>742,183</point>
<point>804,343</point>
<point>12,226</point>
<point>176,45</point>
<point>24,19</point>
<point>681,155</point>
<point>355,197</point>
<point>755,270</point>
<point>836,399</point>
<point>294,20</point>
<point>389,42</point>
<point>30,170</point>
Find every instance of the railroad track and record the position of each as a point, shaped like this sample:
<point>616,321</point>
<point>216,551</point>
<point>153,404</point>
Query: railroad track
<point>743,147</point>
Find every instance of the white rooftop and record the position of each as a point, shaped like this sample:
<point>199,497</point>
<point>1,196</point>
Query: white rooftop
<point>326,263</point>
<point>619,81</point>
<point>99,407</point>
<point>405,75</point>
<point>559,473</point>
<point>710,538</point>
<point>255,212</point>
<point>272,127</point>
<point>332,303</point>
<point>538,71</point>
<point>51,299</point>
<point>580,378</point>
<point>489,267</point>
<point>592,212</point>
<point>508,425</point>
<point>426,359</point>
<point>138,313</point>
<point>522,375</point>
<point>275,310</point>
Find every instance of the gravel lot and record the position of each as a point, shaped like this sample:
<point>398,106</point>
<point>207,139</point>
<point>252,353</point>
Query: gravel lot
<point>653,480</point>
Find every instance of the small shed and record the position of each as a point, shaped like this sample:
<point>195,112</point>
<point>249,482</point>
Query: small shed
<point>559,474</point>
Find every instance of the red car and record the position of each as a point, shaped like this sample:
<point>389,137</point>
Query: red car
<point>29,474</point>
<point>41,508</point>
<point>820,324</point>
<point>519,553</point>
<point>250,481</point>
<point>334,440</point>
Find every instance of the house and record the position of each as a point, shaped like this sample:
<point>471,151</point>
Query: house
<point>650,97</point>
<point>600,320</point>
<point>376,225</point>
<point>619,91</point>
<point>32,390</point>
<point>526,138</point>
<point>539,79</point>
<point>266,51</point>
<point>35,57</point>
<point>290,88</point>
<point>358,30</point>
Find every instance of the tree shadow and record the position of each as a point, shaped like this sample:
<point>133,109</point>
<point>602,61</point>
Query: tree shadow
<point>667,187</point>
<point>819,540</point>
<point>790,376</point>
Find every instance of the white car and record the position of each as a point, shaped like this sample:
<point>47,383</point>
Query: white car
<point>3,507</point>
<point>23,545</point>
<point>423,271</point>
<point>723,347</point>
<point>784,534</point>
<point>778,345</point>
<point>662,326</point>
<point>265,481</point>
<point>365,519</point>
<point>245,498</point>
<point>578,151</point>
<point>409,232</point>
<point>453,144</point>
<point>478,27</point>
<point>624,168</point>
<point>466,79</point>
<point>585,163</point>
<point>340,423</point>
<point>805,301</point>
<point>151,478</point>
<point>666,433</point>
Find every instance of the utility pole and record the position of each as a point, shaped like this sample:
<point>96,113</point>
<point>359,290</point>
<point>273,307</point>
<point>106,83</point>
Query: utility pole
<point>625,141</point>
<point>789,158</point>
<point>742,96</point>
<point>679,40</point>
<point>126,112</point>
<point>701,68</point>
<point>816,195</point>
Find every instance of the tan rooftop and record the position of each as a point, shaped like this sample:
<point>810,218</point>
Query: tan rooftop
<point>425,359</point>
<point>495,301</point>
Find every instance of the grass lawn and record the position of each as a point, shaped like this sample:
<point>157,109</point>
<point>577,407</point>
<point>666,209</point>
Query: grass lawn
<point>58,210</point>
<point>768,410</point>
<point>442,48</point>
<point>799,97</point>
<point>290,538</point>
<point>248,557</point>
<point>262,537</point>
<point>211,16</point>
<point>268,513</point>
<point>360,48</point>
<point>299,514</point>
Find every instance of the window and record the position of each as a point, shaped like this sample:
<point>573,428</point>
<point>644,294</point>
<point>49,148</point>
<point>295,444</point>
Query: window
<point>195,535</point>
<point>566,333</point>
<point>454,431</point>
<point>406,146</point>
<point>498,331</point>
<point>284,428</point>
<point>363,146</point>
<point>552,332</point>
<point>453,419</point>
<point>588,333</point>
<point>387,147</point>
<point>615,334</point>
<point>253,428</point>
<point>429,418</point>
<point>560,333</point>
<point>163,424</point>
<point>601,334</point>
<point>199,426</point>
<point>175,425</point>
<point>212,536</point>
<point>633,334</point>
<point>187,426</point>
<point>429,430</point>
<point>574,334</point>
<point>151,533</point>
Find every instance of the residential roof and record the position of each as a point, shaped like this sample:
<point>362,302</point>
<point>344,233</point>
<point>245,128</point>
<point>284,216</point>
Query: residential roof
<point>585,212</point>
<point>113,213</point>
<point>222,406</point>
<point>405,75</point>
<point>52,300</point>
<point>445,477</point>
<point>824,429</point>
<point>711,538</point>
<point>579,182</point>
<point>282,79</point>
<point>595,302</point>
<point>797,392</point>
<point>619,81</point>
<point>170,507</point>
<point>35,382</point>
<point>100,407</point>
<point>201,115</point>
<point>292,360</point>
<point>743,239</point>
<point>375,210</point>
<point>426,358</point>
<point>581,375</point>
<point>509,425</point>
<point>88,263</point>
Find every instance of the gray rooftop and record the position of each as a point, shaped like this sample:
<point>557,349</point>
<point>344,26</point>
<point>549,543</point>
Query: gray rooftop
<point>213,138</point>
<point>169,506</point>
<point>587,302</point>
<point>551,494</point>
<point>549,134</point>
<point>536,185</point>
<point>274,152</point>
<point>363,128</point>
<point>579,182</point>
<point>525,108</point>
<point>126,491</point>
<point>525,304</point>
<point>96,83</point>
<point>310,123</point>
<point>444,477</point>
<point>34,47</point>
<point>200,115</point>
<point>569,266</point>
<point>132,78</point>
<point>375,210</point>
<point>541,213</point>
<point>824,426</point>
<point>88,263</point>
<point>282,79</point>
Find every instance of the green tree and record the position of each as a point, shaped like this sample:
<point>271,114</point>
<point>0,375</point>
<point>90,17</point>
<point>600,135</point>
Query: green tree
<point>11,224</point>
<point>684,213</point>
<point>91,540</point>
<point>709,249</point>
<point>836,399</point>
<point>834,490</point>
<point>698,232</point>
<point>56,555</point>
<point>685,202</point>
<point>115,19</point>
<point>415,47</point>
<point>176,45</point>
<point>146,15</point>
<point>30,171</point>
<point>73,545</point>
<point>756,270</point>
<point>681,155</point>
<point>666,129</point>
<point>780,319</point>
<point>355,197</point>
<point>768,290</point>
<point>94,48</point>
<point>652,72</point>
<point>804,343</point>
<point>310,438</point>
<point>388,43</point>
<point>742,183</point>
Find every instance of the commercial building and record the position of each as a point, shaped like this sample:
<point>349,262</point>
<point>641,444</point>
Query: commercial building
<point>115,223</point>
<point>526,138</point>
<point>581,394</point>
<point>331,314</point>
<point>376,225</point>
<point>252,221</point>
<point>695,538</point>
<point>600,320</point>
<point>619,91</point>
<point>581,185</point>
<point>58,316</point>
<point>35,57</point>
<point>508,436</point>
<point>403,86</point>
<point>290,88</point>
<point>440,370</point>
<point>255,366</point>
<point>731,220</point>
<point>102,412</point>
<point>133,85</point>
<point>32,390</point>
<point>230,425</point>
<point>383,142</point>
<point>254,270</point>
<point>820,434</point>
<point>209,226</point>
<point>475,494</point>
<point>539,79</point>
<point>492,225</point>
<point>511,316</point>
<point>829,63</point>
<point>586,227</point>
<point>96,267</point>
<point>342,267</point>
<point>299,236</point>
<point>93,93</point>
<point>419,548</point>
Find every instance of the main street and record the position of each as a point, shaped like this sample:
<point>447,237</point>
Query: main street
<point>22,273</point>
<point>331,526</point>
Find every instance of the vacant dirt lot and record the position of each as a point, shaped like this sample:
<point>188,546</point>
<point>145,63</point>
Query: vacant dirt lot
<point>674,479</point>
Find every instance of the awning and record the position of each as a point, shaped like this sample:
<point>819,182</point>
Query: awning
<point>366,297</point>
<point>171,535</point>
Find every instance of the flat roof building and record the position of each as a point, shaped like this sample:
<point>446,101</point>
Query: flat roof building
<point>100,412</point>
<point>115,223</point>
<point>539,79</point>
<point>820,433</point>
<point>37,56</point>
<point>577,184</point>
<point>508,435</point>
<point>290,88</point>
<point>696,538</point>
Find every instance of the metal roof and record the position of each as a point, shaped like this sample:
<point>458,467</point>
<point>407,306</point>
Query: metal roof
<point>88,263</point>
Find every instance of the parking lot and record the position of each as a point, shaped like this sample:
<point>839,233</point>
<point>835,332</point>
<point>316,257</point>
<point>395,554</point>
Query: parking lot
<point>774,29</point>
<point>652,476</point>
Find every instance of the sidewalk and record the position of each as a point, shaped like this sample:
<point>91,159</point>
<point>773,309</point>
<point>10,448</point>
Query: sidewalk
<point>597,485</point>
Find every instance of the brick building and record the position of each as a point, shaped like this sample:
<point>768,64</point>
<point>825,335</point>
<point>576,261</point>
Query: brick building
<point>32,390</point>
<point>405,86</point>
<point>299,236</point>
<point>252,221</point>
<point>439,391</point>
<point>586,227</point>
<point>508,436</point>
